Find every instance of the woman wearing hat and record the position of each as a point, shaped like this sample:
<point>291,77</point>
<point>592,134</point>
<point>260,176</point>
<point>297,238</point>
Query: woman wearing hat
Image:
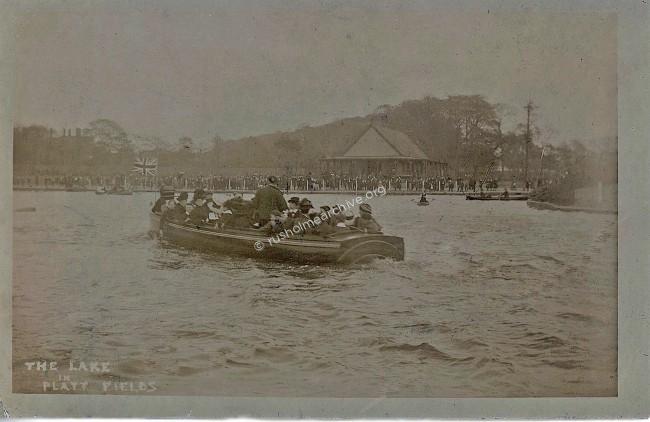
<point>301,218</point>
<point>365,222</point>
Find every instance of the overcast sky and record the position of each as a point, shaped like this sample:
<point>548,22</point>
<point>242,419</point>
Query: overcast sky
<point>201,68</point>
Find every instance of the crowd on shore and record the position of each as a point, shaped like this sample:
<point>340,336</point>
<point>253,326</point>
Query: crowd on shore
<point>309,182</point>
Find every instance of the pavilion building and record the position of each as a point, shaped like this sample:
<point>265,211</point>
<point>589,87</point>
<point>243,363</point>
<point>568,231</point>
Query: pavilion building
<point>383,151</point>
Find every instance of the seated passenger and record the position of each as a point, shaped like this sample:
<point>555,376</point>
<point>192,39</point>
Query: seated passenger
<point>166,193</point>
<point>240,213</point>
<point>292,206</point>
<point>326,218</point>
<point>198,194</point>
<point>274,225</point>
<point>338,219</point>
<point>177,211</point>
<point>365,222</point>
<point>200,213</point>
<point>214,212</point>
<point>301,218</point>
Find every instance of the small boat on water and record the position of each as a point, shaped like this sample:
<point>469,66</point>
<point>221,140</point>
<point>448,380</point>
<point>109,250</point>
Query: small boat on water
<point>75,188</point>
<point>346,247</point>
<point>422,204</point>
<point>496,197</point>
<point>100,191</point>
<point>120,190</point>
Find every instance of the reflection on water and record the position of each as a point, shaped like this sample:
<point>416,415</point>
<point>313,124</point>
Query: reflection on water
<point>493,299</point>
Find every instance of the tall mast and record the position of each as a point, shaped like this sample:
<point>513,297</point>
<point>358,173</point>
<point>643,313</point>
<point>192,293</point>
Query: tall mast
<point>529,108</point>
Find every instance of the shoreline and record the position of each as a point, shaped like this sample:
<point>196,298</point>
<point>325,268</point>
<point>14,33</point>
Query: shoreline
<point>251,191</point>
<point>540,205</point>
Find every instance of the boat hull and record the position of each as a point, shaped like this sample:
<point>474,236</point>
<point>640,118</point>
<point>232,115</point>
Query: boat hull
<point>496,198</point>
<point>347,247</point>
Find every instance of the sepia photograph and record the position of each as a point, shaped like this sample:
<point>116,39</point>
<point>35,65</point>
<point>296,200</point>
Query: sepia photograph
<point>314,199</point>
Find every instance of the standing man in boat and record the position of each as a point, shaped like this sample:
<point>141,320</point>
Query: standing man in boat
<point>267,199</point>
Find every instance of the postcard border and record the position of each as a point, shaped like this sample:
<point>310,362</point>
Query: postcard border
<point>634,289</point>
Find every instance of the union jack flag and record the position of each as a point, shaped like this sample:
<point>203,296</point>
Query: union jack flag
<point>146,166</point>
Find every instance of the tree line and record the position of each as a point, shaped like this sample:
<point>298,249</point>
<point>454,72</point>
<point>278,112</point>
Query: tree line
<point>464,131</point>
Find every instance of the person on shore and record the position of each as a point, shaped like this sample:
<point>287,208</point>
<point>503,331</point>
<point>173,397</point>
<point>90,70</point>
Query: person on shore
<point>267,199</point>
<point>365,222</point>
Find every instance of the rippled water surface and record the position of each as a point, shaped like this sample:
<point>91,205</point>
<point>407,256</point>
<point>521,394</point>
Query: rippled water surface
<point>493,299</point>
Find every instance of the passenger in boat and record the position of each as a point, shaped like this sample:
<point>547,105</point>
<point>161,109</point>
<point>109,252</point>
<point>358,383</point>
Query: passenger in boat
<point>365,222</point>
<point>505,194</point>
<point>267,199</point>
<point>200,213</point>
<point>198,194</point>
<point>178,210</point>
<point>423,198</point>
<point>274,225</point>
<point>237,213</point>
<point>326,217</point>
<point>301,218</point>
<point>215,211</point>
<point>292,204</point>
<point>166,193</point>
<point>338,219</point>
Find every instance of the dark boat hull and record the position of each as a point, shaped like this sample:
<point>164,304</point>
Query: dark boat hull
<point>343,248</point>
<point>496,198</point>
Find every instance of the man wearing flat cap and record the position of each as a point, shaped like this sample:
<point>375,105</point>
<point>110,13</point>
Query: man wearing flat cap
<point>267,199</point>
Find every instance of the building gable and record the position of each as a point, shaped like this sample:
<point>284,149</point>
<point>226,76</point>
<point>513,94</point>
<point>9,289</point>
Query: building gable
<point>371,144</point>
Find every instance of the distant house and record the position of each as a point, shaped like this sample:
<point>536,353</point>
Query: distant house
<point>36,148</point>
<point>383,151</point>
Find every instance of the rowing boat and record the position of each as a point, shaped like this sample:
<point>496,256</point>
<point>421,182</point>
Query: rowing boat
<point>345,247</point>
<point>498,197</point>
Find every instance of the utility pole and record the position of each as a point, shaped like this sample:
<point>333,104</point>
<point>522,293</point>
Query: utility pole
<point>529,108</point>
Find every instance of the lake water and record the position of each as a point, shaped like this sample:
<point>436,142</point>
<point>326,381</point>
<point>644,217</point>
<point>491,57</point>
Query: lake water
<point>493,299</point>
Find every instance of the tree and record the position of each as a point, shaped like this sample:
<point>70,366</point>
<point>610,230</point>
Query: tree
<point>288,151</point>
<point>185,143</point>
<point>110,134</point>
<point>476,123</point>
